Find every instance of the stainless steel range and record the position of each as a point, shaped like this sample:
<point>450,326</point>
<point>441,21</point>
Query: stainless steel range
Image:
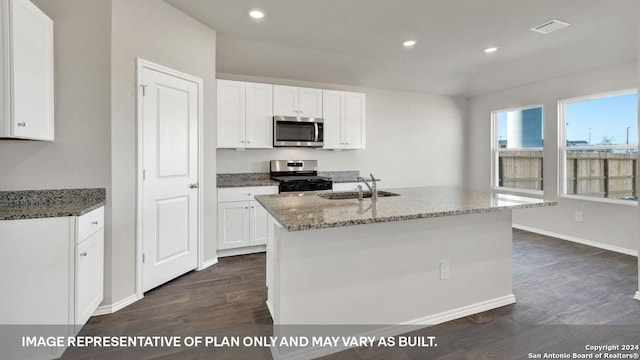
<point>299,175</point>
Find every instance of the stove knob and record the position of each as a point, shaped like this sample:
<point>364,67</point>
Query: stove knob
<point>292,187</point>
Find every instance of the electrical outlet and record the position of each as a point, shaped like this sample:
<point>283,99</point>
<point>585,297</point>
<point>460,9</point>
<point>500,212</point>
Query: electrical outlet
<point>444,269</point>
<point>578,216</point>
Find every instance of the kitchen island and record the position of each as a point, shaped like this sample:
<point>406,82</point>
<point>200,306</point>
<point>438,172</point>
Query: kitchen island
<point>429,255</point>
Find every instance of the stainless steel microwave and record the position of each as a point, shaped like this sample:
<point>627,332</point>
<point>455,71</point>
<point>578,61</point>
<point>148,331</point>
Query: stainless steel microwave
<point>298,131</point>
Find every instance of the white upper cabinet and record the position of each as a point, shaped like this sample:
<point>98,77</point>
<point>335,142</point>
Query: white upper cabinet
<point>26,74</point>
<point>310,102</point>
<point>231,113</point>
<point>354,120</point>
<point>297,101</point>
<point>333,111</point>
<point>259,115</point>
<point>245,114</point>
<point>344,120</point>
<point>285,100</point>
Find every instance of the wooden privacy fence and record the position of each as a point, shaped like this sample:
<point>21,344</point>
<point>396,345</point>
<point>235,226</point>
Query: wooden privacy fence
<point>521,169</point>
<point>590,173</point>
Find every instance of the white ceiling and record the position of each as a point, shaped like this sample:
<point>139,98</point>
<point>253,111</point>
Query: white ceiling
<point>358,42</point>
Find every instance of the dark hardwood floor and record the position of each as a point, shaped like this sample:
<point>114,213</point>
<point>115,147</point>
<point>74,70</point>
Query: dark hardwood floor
<point>568,296</point>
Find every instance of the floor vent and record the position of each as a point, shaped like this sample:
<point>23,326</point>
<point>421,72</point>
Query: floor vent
<point>550,26</point>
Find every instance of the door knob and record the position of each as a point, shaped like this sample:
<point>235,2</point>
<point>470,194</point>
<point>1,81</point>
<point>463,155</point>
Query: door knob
<point>194,186</point>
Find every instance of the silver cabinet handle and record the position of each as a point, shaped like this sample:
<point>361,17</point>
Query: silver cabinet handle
<point>83,254</point>
<point>194,186</point>
<point>249,194</point>
<point>94,223</point>
<point>23,124</point>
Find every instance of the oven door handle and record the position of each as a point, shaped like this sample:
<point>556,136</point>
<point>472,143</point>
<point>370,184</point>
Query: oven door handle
<point>317,132</point>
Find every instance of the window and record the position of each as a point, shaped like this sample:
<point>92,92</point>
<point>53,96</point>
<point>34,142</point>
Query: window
<point>599,143</point>
<point>517,149</point>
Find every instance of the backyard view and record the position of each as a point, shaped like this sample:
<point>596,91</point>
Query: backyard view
<point>599,155</point>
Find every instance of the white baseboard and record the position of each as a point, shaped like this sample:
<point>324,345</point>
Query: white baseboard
<point>111,308</point>
<point>395,330</point>
<point>637,297</point>
<point>574,239</point>
<point>242,250</point>
<point>206,264</point>
<point>464,311</point>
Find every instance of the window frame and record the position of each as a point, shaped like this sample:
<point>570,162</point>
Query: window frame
<point>563,148</point>
<point>496,150</point>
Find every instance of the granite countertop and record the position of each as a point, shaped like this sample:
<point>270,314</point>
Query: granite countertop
<point>306,211</point>
<point>262,179</point>
<point>244,180</point>
<point>34,204</point>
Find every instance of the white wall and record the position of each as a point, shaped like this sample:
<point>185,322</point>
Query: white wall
<point>411,139</point>
<point>154,31</point>
<point>610,225</point>
<point>79,156</point>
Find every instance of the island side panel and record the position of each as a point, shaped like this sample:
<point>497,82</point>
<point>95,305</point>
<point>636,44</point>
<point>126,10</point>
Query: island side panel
<point>389,273</point>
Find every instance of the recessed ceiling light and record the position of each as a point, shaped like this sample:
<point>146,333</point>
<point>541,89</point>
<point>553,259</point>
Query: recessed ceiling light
<point>256,14</point>
<point>409,43</point>
<point>490,50</point>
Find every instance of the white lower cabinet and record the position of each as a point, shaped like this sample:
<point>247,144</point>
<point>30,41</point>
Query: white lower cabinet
<point>56,277</point>
<point>89,276</point>
<point>258,228</point>
<point>89,265</point>
<point>242,221</point>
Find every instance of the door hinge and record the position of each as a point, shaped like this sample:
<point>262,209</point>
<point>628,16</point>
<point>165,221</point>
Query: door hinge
<point>142,257</point>
<point>144,88</point>
<point>144,174</point>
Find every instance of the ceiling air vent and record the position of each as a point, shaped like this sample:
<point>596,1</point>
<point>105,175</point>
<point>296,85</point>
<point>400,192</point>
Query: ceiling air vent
<point>550,26</point>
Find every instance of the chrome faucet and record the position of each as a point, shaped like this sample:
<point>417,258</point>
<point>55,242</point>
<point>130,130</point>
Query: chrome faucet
<point>372,187</point>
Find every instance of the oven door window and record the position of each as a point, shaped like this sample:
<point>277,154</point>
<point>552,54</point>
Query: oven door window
<point>295,131</point>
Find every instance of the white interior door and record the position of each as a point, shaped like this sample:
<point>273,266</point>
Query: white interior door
<point>169,219</point>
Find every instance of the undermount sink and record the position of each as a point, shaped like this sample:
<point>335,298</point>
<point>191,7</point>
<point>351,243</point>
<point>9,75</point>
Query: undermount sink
<point>347,195</point>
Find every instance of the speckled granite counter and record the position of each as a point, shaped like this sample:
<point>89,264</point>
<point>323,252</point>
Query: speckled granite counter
<point>262,179</point>
<point>244,180</point>
<point>305,211</point>
<point>33,204</point>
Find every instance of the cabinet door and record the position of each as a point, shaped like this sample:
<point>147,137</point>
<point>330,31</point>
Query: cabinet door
<point>36,283</point>
<point>310,102</point>
<point>32,72</point>
<point>233,224</point>
<point>231,114</point>
<point>259,115</point>
<point>259,224</point>
<point>37,278</point>
<point>333,112</point>
<point>89,276</point>
<point>285,100</point>
<point>354,120</point>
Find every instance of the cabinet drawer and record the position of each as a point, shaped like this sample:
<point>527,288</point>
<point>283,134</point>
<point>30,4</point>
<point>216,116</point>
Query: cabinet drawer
<point>89,223</point>
<point>244,193</point>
